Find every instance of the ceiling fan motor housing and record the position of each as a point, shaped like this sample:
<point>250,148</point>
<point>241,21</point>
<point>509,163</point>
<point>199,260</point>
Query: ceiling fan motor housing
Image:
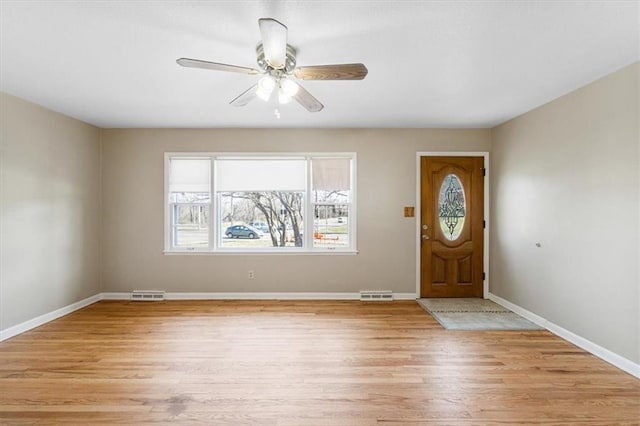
<point>290,62</point>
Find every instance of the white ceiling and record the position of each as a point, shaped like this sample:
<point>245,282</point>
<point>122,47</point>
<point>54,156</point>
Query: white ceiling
<point>431,63</point>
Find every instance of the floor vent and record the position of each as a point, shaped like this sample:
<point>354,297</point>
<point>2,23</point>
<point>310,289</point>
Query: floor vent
<point>147,295</point>
<point>376,296</point>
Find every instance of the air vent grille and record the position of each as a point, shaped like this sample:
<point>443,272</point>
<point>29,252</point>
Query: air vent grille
<point>376,296</point>
<point>147,295</point>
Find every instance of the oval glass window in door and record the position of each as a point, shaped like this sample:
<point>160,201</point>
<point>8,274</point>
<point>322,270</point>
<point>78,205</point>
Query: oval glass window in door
<point>451,207</point>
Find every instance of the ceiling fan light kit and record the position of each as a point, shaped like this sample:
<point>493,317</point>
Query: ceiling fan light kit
<point>277,62</point>
<point>265,88</point>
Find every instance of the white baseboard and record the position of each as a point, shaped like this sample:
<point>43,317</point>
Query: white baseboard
<point>405,296</point>
<point>260,296</point>
<point>43,319</point>
<point>597,350</point>
<point>115,296</point>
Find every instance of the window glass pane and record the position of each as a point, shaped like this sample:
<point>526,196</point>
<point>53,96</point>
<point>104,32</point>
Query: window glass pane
<point>190,225</point>
<point>331,225</point>
<point>190,197</point>
<point>331,197</point>
<point>451,207</point>
<point>261,174</point>
<point>261,219</point>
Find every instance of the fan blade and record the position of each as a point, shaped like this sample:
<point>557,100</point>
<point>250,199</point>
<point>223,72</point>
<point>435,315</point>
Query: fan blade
<point>196,63</point>
<point>307,100</point>
<point>245,97</point>
<point>331,72</point>
<point>274,42</point>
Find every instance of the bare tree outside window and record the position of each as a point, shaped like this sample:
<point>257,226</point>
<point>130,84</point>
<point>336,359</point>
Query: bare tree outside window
<point>281,210</point>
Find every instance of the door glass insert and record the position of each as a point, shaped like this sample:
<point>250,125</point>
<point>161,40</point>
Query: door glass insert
<point>451,207</point>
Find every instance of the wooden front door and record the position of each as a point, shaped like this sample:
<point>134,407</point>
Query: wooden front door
<point>452,226</point>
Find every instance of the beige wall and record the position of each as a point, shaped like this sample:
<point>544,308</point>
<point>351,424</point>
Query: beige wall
<point>566,175</point>
<point>133,211</point>
<point>49,211</point>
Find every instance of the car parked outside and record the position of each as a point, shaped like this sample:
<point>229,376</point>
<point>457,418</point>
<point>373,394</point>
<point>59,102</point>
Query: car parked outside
<point>260,226</point>
<point>242,231</point>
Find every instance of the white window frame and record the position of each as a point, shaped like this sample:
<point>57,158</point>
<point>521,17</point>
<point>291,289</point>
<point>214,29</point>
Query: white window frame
<point>168,223</point>
<point>214,212</point>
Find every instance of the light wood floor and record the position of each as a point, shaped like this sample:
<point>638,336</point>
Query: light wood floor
<point>299,363</point>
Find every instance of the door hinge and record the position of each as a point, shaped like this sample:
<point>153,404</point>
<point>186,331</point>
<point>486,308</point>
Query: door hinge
<point>484,224</point>
<point>484,276</point>
<point>484,172</point>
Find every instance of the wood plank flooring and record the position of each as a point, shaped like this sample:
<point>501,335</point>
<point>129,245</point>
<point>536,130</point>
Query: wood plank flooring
<point>299,363</point>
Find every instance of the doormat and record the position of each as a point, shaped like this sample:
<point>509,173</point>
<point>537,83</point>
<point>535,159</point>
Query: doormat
<point>475,314</point>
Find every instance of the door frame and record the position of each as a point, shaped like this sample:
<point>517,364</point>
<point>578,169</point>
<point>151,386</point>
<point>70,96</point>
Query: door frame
<point>485,261</point>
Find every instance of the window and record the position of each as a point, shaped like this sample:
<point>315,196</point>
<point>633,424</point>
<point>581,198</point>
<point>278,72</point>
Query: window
<point>451,207</point>
<point>260,203</point>
<point>267,190</point>
<point>331,192</point>
<point>189,198</point>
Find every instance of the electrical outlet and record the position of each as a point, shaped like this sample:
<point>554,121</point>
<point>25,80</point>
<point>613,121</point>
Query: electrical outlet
<point>251,275</point>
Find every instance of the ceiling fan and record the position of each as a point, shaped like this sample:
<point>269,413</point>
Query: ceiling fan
<point>277,62</point>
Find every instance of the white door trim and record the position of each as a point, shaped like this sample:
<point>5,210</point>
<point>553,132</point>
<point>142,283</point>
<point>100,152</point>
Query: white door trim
<point>485,154</point>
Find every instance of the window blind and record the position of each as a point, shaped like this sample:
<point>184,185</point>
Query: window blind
<point>260,175</point>
<point>331,174</point>
<point>190,175</point>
